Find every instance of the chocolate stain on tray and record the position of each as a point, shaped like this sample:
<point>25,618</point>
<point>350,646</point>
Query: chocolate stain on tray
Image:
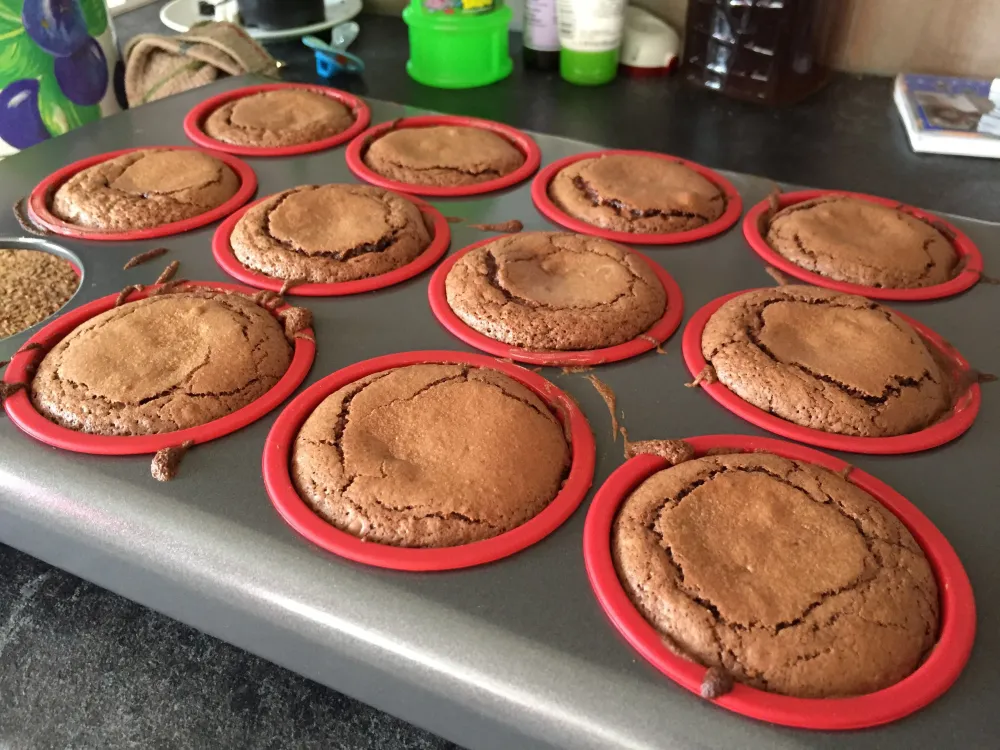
<point>779,277</point>
<point>30,347</point>
<point>141,258</point>
<point>168,273</point>
<point>609,399</point>
<point>508,227</point>
<point>706,376</point>
<point>26,223</point>
<point>716,683</point>
<point>167,461</point>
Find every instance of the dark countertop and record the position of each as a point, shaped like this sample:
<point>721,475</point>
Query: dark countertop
<point>81,667</point>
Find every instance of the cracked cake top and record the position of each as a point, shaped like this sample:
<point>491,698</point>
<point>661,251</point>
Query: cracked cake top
<point>549,290</point>
<point>433,455</point>
<point>144,189</point>
<point>284,117</point>
<point>442,155</point>
<point>827,361</point>
<point>784,574</point>
<point>161,364</point>
<point>636,193</point>
<point>330,233</point>
<point>860,242</point>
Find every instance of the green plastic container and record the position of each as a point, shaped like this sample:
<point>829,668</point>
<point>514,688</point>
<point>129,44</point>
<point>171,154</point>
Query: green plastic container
<point>588,68</point>
<point>458,51</point>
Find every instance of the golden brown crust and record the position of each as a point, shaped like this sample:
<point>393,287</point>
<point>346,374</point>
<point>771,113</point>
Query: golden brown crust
<point>635,193</point>
<point>828,361</point>
<point>430,456</point>
<point>782,573</point>
<point>860,242</point>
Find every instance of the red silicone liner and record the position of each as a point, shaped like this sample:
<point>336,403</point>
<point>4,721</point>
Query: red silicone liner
<point>222,249</point>
<point>661,330</point>
<point>277,479</point>
<point>965,248</point>
<point>931,680</point>
<point>524,143</point>
<point>540,195</point>
<point>22,412</point>
<point>960,419</point>
<point>38,200</point>
<point>194,121</point>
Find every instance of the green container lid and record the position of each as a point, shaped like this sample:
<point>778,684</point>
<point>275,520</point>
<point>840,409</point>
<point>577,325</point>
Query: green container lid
<point>588,68</point>
<point>458,51</point>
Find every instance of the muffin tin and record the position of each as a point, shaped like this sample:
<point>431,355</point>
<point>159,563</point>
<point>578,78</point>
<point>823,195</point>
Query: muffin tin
<point>516,653</point>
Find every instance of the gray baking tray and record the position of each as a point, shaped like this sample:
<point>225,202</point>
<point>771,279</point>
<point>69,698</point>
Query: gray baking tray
<point>515,654</point>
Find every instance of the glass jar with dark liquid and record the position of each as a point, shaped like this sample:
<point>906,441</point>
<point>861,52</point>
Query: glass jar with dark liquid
<point>768,51</point>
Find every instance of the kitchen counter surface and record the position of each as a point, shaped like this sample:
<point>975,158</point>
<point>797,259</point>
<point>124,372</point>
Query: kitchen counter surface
<point>81,667</point>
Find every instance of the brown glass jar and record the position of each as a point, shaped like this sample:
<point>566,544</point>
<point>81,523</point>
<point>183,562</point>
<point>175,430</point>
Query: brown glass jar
<point>768,51</point>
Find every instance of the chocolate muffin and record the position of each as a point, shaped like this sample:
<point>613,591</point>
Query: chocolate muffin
<point>547,290</point>
<point>144,189</point>
<point>828,361</point>
<point>782,573</point>
<point>860,242</point>
<point>330,233</point>
<point>445,156</point>
<point>162,364</point>
<point>285,117</point>
<point>636,193</point>
<point>33,285</point>
<point>432,455</point>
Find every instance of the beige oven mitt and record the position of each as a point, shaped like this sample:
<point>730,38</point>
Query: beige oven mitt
<point>157,66</point>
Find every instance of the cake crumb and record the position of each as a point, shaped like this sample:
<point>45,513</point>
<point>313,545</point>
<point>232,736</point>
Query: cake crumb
<point>508,360</point>
<point>30,347</point>
<point>4,363</point>
<point>168,273</point>
<point>454,219</point>
<point>295,319</point>
<point>674,451</point>
<point>723,450</point>
<point>706,376</point>
<point>780,278</point>
<point>123,295</point>
<point>26,223</point>
<point>141,258</point>
<point>576,369</point>
<point>716,683</point>
<point>304,336</point>
<point>167,461</point>
<point>508,227</point>
<point>288,284</point>
<point>609,398</point>
<point>845,472</point>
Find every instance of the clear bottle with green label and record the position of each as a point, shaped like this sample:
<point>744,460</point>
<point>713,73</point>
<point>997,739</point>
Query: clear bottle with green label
<point>590,35</point>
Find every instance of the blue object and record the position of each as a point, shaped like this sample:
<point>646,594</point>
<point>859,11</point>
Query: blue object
<point>330,60</point>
